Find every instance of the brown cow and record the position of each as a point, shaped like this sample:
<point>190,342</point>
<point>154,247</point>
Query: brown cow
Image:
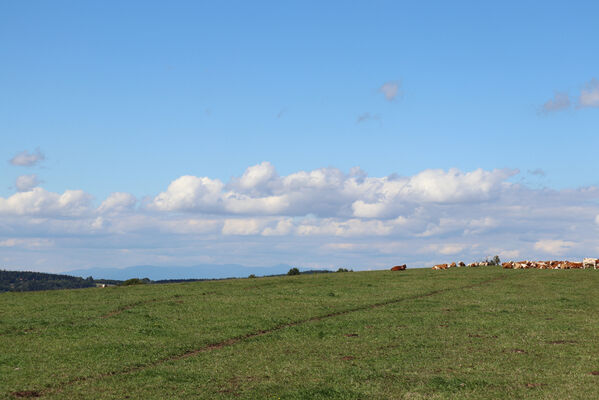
<point>440,266</point>
<point>453,265</point>
<point>399,268</point>
<point>508,265</point>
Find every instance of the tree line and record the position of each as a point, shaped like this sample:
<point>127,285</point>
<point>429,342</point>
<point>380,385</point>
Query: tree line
<point>24,281</point>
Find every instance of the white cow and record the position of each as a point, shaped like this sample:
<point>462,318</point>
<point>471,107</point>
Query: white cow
<point>590,262</point>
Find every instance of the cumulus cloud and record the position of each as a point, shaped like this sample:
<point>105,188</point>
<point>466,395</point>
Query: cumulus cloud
<point>250,226</point>
<point>189,193</point>
<point>559,102</point>
<point>41,202</point>
<point>324,217</point>
<point>118,202</point>
<point>390,90</point>
<point>256,178</point>
<point>26,159</point>
<point>282,227</point>
<point>553,246</point>
<point>25,183</point>
<point>328,192</point>
<point>430,186</point>
<point>589,96</point>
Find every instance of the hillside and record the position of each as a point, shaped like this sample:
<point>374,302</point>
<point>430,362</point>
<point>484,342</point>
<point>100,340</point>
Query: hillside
<point>204,271</point>
<point>463,333</point>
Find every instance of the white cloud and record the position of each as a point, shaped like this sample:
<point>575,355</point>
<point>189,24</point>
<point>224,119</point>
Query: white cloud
<point>29,243</point>
<point>318,217</point>
<point>25,183</point>
<point>589,96</point>
<point>451,248</point>
<point>41,202</point>
<point>189,193</point>
<point>479,225</point>
<point>560,102</point>
<point>328,192</point>
<point>283,227</point>
<point>351,227</point>
<point>508,254</point>
<point>98,223</point>
<point>256,178</point>
<point>342,246</point>
<point>456,186</point>
<point>431,186</point>
<point>118,202</point>
<point>250,226</point>
<point>390,89</point>
<point>555,247</point>
<point>26,159</point>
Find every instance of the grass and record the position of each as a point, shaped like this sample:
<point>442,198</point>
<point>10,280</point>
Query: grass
<point>469,333</point>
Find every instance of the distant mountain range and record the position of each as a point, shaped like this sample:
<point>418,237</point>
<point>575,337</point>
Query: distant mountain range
<point>205,271</point>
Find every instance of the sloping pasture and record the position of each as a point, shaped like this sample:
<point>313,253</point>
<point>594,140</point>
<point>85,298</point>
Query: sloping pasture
<point>463,333</point>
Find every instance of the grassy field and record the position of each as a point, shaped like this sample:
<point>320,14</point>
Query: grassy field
<point>468,333</point>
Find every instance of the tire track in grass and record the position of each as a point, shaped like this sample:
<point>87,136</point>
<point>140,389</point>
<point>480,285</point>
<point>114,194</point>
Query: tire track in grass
<point>232,341</point>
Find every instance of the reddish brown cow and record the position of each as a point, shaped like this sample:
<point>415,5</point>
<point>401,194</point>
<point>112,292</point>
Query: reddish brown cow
<point>440,266</point>
<point>399,268</point>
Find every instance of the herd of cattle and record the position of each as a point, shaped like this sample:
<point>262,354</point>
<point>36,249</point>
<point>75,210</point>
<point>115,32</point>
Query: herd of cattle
<point>586,263</point>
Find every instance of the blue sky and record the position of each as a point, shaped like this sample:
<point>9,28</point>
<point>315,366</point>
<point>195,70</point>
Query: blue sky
<point>128,97</point>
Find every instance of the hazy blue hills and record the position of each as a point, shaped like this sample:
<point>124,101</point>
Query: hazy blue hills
<point>205,271</point>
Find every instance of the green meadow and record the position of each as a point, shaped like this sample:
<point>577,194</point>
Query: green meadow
<point>465,333</point>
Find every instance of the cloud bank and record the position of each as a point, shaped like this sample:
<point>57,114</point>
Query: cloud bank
<point>319,218</point>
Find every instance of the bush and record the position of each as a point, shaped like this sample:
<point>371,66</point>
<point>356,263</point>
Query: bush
<point>135,281</point>
<point>293,271</point>
<point>494,261</point>
<point>252,276</point>
<point>345,270</point>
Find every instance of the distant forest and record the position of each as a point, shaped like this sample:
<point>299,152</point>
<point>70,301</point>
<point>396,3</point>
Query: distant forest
<point>24,281</point>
